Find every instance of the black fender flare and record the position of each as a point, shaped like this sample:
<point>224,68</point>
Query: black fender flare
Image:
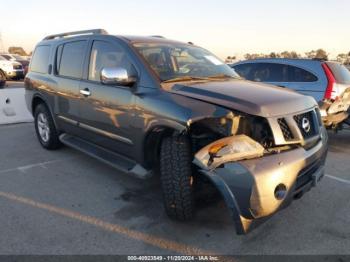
<point>242,224</point>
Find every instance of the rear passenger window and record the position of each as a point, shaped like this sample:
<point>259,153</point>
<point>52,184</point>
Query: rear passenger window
<point>296,74</point>
<point>273,72</point>
<point>244,70</point>
<point>40,60</point>
<point>270,72</point>
<point>69,60</point>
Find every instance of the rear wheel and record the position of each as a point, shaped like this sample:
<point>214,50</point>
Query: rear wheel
<point>45,128</point>
<point>176,177</point>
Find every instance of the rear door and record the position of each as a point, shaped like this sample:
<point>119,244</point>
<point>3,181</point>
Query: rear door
<point>68,70</point>
<point>106,112</point>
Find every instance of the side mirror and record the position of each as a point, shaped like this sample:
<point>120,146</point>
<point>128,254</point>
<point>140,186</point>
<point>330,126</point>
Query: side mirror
<point>116,76</point>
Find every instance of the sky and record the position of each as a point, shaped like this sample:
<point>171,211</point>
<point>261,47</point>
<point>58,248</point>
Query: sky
<point>225,27</point>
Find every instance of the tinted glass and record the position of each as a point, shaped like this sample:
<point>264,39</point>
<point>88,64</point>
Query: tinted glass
<point>296,74</point>
<point>58,58</point>
<point>340,72</point>
<point>272,72</point>
<point>72,59</point>
<point>269,72</point>
<point>105,55</point>
<point>173,60</point>
<point>7,57</point>
<point>3,58</point>
<point>40,60</point>
<point>245,70</point>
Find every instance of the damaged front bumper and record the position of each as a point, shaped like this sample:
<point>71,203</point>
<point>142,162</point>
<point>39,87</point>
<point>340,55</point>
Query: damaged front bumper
<point>255,189</point>
<point>335,112</point>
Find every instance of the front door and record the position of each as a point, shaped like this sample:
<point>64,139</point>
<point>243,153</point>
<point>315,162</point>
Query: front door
<point>106,112</point>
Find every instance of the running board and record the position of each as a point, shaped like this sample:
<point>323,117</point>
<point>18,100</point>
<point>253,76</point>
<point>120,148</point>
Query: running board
<point>113,159</point>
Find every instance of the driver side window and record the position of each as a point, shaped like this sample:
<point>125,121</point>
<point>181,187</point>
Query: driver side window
<point>104,54</point>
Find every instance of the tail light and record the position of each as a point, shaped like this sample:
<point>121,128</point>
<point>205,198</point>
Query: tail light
<point>331,92</point>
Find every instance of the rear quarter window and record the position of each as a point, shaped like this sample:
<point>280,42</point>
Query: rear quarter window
<point>297,74</point>
<point>40,60</point>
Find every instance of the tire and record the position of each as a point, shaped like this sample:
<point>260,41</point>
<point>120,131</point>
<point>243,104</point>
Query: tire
<point>45,128</point>
<point>176,177</point>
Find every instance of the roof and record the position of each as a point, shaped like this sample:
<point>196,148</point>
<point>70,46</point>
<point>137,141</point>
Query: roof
<point>102,32</point>
<point>148,39</point>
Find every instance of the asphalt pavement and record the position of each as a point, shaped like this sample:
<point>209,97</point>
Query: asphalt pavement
<point>64,202</point>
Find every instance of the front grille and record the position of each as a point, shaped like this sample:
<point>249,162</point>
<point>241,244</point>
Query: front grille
<point>17,67</point>
<point>287,133</point>
<point>308,124</point>
<point>319,117</point>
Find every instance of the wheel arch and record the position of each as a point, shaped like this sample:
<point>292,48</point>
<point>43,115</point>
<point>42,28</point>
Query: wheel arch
<point>152,142</point>
<point>37,100</point>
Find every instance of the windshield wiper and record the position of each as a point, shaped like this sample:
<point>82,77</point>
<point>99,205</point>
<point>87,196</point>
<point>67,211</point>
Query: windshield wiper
<point>221,76</point>
<point>185,78</point>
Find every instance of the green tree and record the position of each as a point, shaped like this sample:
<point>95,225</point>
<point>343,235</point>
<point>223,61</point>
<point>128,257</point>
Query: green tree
<point>321,54</point>
<point>311,54</point>
<point>17,50</point>
<point>273,55</point>
<point>344,58</point>
<point>317,54</point>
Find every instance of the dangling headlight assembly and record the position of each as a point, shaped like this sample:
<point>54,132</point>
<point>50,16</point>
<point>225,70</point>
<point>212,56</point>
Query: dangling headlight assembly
<point>228,149</point>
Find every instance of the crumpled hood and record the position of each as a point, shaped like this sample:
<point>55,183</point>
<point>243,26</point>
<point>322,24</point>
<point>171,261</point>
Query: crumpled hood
<point>245,96</point>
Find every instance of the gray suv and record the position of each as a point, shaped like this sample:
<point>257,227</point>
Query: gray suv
<point>149,105</point>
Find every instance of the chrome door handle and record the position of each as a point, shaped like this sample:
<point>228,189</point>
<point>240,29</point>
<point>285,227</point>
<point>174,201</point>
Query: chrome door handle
<point>85,92</point>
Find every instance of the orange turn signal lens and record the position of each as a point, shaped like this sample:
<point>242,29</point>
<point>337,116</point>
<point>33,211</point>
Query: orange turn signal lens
<point>216,148</point>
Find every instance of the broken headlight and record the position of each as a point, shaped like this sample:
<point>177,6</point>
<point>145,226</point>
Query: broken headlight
<point>228,149</point>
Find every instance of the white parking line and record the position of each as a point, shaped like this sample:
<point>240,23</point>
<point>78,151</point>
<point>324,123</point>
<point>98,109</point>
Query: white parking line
<point>339,179</point>
<point>6,126</point>
<point>159,242</point>
<point>26,167</point>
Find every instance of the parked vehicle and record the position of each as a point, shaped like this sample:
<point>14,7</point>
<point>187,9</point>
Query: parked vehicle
<point>23,61</point>
<point>327,82</point>
<point>11,69</point>
<point>2,79</point>
<point>142,104</point>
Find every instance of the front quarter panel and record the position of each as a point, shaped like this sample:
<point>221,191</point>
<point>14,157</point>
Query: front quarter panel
<point>155,108</point>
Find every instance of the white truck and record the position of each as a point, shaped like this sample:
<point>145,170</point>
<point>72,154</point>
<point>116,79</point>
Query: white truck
<point>11,69</point>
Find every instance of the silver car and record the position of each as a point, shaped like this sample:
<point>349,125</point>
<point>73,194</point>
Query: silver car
<point>327,82</point>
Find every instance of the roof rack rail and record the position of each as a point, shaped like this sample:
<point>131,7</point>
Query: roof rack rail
<point>83,32</point>
<point>158,36</point>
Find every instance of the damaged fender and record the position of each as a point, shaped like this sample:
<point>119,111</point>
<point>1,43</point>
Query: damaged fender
<point>225,150</point>
<point>255,185</point>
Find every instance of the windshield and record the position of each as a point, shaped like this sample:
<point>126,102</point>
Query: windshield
<point>182,62</point>
<point>6,57</point>
<point>2,58</point>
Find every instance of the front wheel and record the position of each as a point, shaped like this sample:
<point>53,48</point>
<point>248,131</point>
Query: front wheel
<point>45,128</point>
<point>176,177</point>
